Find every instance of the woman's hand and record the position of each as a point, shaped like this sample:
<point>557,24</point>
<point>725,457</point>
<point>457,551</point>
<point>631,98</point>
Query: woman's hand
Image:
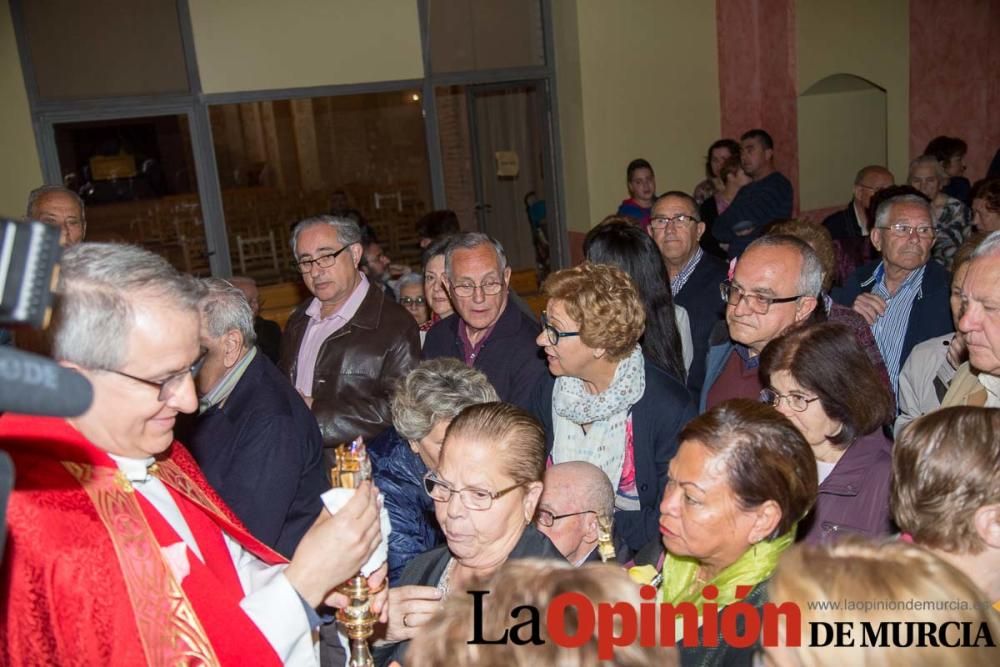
<point>410,607</point>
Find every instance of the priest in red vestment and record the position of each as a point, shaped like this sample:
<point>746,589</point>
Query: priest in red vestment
<point>119,552</point>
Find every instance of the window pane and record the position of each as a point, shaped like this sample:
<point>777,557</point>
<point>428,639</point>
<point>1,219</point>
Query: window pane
<point>281,161</point>
<point>137,178</point>
<point>105,48</point>
<point>485,34</point>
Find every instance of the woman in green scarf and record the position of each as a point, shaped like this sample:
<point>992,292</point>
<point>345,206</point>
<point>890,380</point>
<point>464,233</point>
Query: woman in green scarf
<point>742,478</point>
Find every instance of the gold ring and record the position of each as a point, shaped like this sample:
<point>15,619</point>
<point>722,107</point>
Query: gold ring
<point>405,624</point>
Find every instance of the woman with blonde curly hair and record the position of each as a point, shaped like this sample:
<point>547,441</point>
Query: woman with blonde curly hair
<point>882,581</point>
<point>607,404</point>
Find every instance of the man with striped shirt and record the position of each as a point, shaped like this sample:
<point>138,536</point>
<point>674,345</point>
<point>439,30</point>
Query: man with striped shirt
<point>902,296</point>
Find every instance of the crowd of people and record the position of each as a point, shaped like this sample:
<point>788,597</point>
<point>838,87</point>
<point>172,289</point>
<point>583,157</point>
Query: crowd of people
<point>738,406</point>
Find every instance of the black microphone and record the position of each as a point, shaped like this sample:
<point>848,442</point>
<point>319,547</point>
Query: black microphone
<point>34,385</point>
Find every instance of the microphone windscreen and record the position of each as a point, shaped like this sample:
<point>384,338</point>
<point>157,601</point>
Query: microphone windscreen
<point>34,385</point>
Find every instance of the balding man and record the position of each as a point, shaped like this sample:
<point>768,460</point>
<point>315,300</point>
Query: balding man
<point>774,286</point>
<point>575,494</point>
<point>977,381</point>
<point>850,227</point>
<point>268,332</point>
<point>60,207</point>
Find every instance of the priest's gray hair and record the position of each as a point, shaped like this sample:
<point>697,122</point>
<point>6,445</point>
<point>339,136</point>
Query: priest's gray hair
<point>225,308</point>
<point>437,389</point>
<point>98,285</point>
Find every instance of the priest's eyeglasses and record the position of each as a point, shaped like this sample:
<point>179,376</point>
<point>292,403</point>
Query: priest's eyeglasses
<point>169,385</point>
<point>472,497</point>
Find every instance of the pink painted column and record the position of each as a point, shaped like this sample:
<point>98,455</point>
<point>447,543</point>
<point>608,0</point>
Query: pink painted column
<point>955,77</point>
<point>757,68</point>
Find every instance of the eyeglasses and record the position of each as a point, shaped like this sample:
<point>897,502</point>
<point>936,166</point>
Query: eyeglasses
<point>796,402</point>
<point>547,518</point>
<point>923,231</point>
<point>552,334</point>
<point>411,300</point>
<point>471,497</point>
<point>465,290</point>
<point>323,261</point>
<point>169,385</point>
<point>663,221</point>
<point>758,303</point>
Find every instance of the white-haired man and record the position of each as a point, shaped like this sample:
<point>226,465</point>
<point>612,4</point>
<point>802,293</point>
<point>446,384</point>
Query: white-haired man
<point>256,441</point>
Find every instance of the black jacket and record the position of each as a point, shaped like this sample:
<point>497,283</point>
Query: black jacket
<point>426,570</point>
<point>657,418</point>
<point>510,358</point>
<point>262,451</point>
<point>357,366</point>
<point>701,298</point>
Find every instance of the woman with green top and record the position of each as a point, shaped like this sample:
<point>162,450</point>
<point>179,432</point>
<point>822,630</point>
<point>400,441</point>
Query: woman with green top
<point>741,480</point>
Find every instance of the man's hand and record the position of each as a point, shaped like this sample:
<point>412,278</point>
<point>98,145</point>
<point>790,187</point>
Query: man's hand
<point>957,351</point>
<point>870,307</point>
<point>335,547</point>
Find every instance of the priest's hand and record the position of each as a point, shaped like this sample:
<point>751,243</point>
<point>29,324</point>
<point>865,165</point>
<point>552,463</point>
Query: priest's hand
<point>378,582</point>
<point>335,547</point>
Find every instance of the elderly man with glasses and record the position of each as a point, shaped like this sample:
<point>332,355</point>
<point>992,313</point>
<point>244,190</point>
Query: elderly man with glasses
<point>345,348</point>
<point>903,296</point>
<point>487,330</point>
<point>773,287</point>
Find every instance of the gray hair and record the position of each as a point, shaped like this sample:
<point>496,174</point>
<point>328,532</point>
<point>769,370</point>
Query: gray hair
<point>470,241</point>
<point>437,389</point>
<point>46,190</point>
<point>408,279</point>
<point>884,209</point>
<point>810,281</point>
<point>347,230</point>
<point>929,160</point>
<point>989,246</point>
<point>225,308</point>
<point>98,286</point>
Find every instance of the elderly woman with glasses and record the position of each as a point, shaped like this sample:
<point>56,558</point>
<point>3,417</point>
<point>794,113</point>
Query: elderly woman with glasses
<point>820,378</point>
<point>423,405</point>
<point>606,403</point>
<point>485,489</point>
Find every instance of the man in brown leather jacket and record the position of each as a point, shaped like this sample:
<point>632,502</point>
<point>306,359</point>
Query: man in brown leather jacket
<point>345,348</point>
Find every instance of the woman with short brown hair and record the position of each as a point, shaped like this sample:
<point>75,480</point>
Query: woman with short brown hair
<point>820,378</point>
<point>607,404</point>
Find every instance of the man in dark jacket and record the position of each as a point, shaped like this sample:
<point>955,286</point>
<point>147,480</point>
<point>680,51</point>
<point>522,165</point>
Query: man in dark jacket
<point>254,438</point>
<point>345,348</point>
<point>487,331</point>
<point>850,228</point>
<point>695,277</point>
<point>768,198</point>
<point>903,297</point>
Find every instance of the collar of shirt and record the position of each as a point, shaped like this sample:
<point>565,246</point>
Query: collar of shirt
<point>471,350</point>
<point>220,392</point>
<point>878,277</point>
<point>677,284</point>
<point>135,470</point>
<point>749,362</point>
<point>859,217</point>
<point>992,385</point>
<point>347,310</point>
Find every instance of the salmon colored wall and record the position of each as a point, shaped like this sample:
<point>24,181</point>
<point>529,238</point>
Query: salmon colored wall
<point>955,77</point>
<point>757,64</point>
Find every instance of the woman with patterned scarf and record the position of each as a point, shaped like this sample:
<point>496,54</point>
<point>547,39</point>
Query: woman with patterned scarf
<point>742,478</point>
<point>607,404</point>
